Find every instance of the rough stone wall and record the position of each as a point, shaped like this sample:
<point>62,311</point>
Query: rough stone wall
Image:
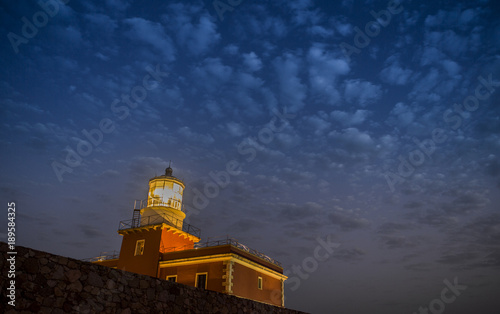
<point>48,283</point>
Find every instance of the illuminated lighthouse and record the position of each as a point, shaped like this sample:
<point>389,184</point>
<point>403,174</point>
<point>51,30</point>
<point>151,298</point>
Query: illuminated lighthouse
<point>156,227</point>
<point>164,200</point>
<point>158,243</point>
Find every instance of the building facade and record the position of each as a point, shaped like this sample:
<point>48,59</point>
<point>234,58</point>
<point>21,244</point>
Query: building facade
<point>158,243</point>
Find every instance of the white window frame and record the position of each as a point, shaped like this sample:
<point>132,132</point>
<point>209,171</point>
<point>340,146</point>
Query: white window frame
<point>206,280</point>
<point>260,283</point>
<point>139,247</point>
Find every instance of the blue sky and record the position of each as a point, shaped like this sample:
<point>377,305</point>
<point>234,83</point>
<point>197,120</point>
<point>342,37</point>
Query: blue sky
<point>371,124</point>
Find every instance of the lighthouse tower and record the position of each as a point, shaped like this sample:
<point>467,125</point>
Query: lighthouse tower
<point>157,227</point>
<point>164,200</point>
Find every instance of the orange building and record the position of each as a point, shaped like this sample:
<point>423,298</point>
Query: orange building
<point>157,242</point>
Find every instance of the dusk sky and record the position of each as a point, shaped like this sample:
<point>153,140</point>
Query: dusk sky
<point>371,126</point>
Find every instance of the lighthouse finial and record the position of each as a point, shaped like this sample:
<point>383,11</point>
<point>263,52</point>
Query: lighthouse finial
<point>168,171</point>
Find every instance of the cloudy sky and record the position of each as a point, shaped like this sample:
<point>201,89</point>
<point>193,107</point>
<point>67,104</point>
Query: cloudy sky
<point>368,124</point>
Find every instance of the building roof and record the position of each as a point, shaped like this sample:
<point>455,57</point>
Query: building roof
<point>230,246</point>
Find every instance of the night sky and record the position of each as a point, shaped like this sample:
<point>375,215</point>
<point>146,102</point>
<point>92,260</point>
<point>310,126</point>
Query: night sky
<point>357,142</point>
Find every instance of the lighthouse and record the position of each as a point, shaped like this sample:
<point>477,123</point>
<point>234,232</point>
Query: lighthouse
<point>157,227</point>
<point>164,200</point>
<point>158,243</point>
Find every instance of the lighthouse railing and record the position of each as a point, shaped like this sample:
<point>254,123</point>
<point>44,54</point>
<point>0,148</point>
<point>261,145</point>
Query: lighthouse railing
<point>157,220</point>
<point>104,256</point>
<point>227,241</point>
<point>159,201</point>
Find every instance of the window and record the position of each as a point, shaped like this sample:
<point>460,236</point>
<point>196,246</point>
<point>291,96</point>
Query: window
<point>201,280</point>
<point>172,278</point>
<point>139,247</point>
<point>259,283</point>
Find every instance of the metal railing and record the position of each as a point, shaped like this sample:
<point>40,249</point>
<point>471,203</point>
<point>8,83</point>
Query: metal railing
<point>104,256</point>
<point>157,201</point>
<point>158,220</point>
<point>226,241</point>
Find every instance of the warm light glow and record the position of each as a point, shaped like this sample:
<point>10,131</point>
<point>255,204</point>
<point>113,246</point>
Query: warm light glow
<point>165,193</point>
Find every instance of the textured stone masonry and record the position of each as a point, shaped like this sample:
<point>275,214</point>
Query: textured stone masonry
<point>48,283</point>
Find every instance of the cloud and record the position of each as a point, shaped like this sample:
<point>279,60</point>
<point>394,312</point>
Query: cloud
<point>245,224</point>
<point>151,33</point>
<point>296,177</point>
<point>492,259</point>
<point>187,134</point>
<point>245,94</point>
<point>400,242</point>
<point>457,258</point>
<point>392,238</point>
<point>456,18</point>
<point>101,56</point>
<point>146,167</point>
<point>394,74</point>
<point>234,129</point>
<point>320,31</point>
<point>170,97</point>
<point>17,108</point>
<point>347,3</point>
<point>324,71</point>
<point>211,74</point>
<point>231,49</point>
<point>318,123</point>
<point>431,55</point>
<point>411,19</point>
<point>420,267</point>
<point>347,220</point>
<point>215,68</point>
<point>292,91</point>
<point>194,28</point>
<point>118,5</point>
<point>484,230</point>
<point>90,231</point>
<point>298,212</point>
<point>263,24</point>
<point>109,173</point>
<point>451,67</point>
<point>350,119</point>
<point>402,114</point>
<point>68,35</point>
<point>353,140</point>
<point>349,255</point>
<point>447,41</point>
<point>492,167</point>
<point>476,243</point>
<point>432,217</point>
<point>394,227</point>
<point>361,92</point>
<point>303,12</point>
<point>105,24</point>
<point>214,108</point>
<point>343,27</point>
<point>414,204</point>
<point>252,61</point>
<point>45,136</point>
<point>445,31</point>
<point>466,202</point>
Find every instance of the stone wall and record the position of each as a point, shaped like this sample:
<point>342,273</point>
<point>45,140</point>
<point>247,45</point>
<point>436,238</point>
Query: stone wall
<point>49,283</point>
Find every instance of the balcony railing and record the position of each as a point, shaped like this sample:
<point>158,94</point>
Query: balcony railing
<point>158,201</point>
<point>103,257</point>
<point>226,241</point>
<point>158,220</point>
